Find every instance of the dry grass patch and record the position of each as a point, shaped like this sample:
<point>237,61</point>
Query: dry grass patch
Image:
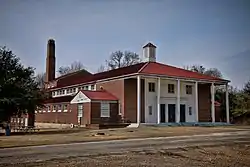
<point>110,134</point>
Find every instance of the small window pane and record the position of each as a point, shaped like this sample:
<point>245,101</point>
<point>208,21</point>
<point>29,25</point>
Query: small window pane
<point>190,110</point>
<point>105,109</point>
<point>150,110</point>
<point>65,107</point>
<point>80,110</point>
<point>151,87</point>
<point>188,89</point>
<point>170,88</point>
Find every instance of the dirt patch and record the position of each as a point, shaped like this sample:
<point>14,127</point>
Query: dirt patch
<point>227,155</point>
<point>110,134</point>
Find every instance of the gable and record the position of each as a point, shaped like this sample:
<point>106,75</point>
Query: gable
<point>80,98</point>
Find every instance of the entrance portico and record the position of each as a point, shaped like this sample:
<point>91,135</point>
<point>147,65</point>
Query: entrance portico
<point>177,100</point>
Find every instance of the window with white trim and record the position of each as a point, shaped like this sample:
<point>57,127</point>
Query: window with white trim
<point>53,93</point>
<point>150,110</point>
<point>65,107</point>
<point>68,91</point>
<point>54,108</point>
<point>80,110</point>
<point>190,110</point>
<point>105,109</point>
<point>59,107</point>
<point>92,87</point>
<point>188,89</point>
<point>151,87</point>
<point>170,88</point>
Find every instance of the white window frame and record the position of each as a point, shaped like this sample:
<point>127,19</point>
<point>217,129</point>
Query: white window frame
<point>151,86</point>
<point>54,108</point>
<point>105,109</point>
<point>150,110</point>
<point>189,87</point>
<point>65,107</point>
<point>172,91</point>
<point>59,108</point>
<point>80,109</point>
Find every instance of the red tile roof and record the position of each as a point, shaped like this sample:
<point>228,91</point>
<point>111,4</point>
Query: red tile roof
<point>170,71</point>
<point>99,95</point>
<point>59,99</point>
<point>151,68</point>
<point>67,81</point>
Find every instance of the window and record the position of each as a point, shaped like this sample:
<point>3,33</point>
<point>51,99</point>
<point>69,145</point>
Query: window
<point>79,88</point>
<point>105,109</point>
<point>150,110</point>
<point>65,107</point>
<point>70,90</point>
<point>67,91</point>
<point>54,108</point>
<point>151,87</point>
<point>59,107</point>
<point>48,108</point>
<point>53,93</point>
<point>79,110</point>
<point>74,90</point>
<point>190,110</point>
<point>170,88</point>
<point>92,87</point>
<point>188,89</point>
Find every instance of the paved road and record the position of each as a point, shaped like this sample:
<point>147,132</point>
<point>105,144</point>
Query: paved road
<point>47,152</point>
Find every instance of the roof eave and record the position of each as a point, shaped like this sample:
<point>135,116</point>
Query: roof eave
<point>188,79</point>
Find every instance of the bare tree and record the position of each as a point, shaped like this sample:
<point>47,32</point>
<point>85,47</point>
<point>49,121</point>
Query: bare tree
<point>101,68</point>
<point>201,69</point>
<point>75,66</point>
<point>40,79</point>
<point>120,59</point>
<point>213,72</point>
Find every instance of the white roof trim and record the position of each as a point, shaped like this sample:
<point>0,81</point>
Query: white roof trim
<point>80,98</point>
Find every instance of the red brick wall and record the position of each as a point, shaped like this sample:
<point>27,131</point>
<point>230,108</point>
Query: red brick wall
<point>130,100</point>
<point>116,88</point>
<point>204,102</point>
<point>96,113</point>
<point>58,117</point>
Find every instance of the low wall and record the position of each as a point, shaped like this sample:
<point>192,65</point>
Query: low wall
<point>51,125</point>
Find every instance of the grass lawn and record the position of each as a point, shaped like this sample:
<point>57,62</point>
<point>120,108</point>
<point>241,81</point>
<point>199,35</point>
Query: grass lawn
<point>83,135</point>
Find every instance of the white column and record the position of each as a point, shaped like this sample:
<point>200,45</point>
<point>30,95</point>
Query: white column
<point>138,98</point>
<point>227,104</point>
<point>158,99</point>
<point>178,102</point>
<point>212,101</point>
<point>196,102</point>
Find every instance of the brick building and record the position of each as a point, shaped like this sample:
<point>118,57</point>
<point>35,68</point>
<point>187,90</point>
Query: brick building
<point>148,92</point>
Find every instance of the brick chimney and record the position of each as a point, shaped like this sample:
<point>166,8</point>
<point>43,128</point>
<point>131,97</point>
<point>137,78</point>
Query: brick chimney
<point>50,61</point>
<point>149,53</point>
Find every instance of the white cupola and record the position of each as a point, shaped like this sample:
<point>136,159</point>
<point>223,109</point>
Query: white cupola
<point>149,53</point>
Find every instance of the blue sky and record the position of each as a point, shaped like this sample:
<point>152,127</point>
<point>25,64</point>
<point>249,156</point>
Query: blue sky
<point>208,32</point>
